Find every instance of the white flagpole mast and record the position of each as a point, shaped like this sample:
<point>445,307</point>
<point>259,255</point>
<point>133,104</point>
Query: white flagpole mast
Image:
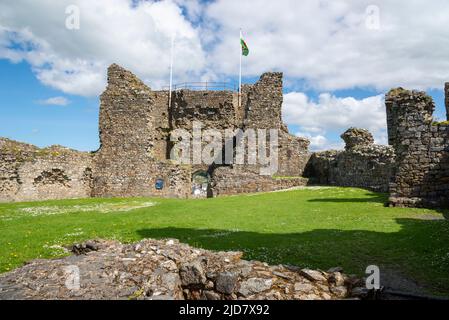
<point>240,72</point>
<point>171,68</point>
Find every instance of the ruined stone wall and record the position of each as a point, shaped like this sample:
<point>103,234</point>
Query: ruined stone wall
<point>293,155</point>
<point>209,109</point>
<point>214,109</point>
<point>262,104</point>
<point>361,164</point>
<point>160,116</point>
<point>246,179</point>
<point>421,178</point>
<point>169,270</point>
<point>126,137</point>
<point>28,173</point>
<point>261,108</point>
<point>135,127</point>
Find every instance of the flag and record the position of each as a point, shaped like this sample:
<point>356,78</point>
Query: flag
<point>245,50</point>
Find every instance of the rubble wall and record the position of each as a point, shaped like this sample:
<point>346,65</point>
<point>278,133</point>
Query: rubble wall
<point>421,178</point>
<point>28,173</point>
<point>362,163</point>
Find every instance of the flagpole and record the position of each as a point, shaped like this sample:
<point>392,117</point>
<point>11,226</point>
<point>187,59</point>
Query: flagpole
<point>240,73</point>
<point>171,68</point>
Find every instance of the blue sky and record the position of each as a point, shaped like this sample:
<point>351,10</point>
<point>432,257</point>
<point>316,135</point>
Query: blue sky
<point>24,118</point>
<point>339,58</point>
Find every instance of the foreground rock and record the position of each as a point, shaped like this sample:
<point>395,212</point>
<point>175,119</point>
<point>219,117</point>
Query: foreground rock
<point>154,269</point>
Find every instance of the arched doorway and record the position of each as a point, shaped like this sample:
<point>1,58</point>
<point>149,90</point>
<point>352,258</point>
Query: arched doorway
<point>200,184</point>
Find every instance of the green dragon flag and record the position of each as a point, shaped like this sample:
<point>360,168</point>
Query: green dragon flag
<point>245,50</point>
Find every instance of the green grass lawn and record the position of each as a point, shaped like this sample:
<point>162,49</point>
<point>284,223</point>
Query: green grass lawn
<point>316,228</point>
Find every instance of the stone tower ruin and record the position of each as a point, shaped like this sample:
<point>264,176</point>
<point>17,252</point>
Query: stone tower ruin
<point>421,177</point>
<point>136,123</point>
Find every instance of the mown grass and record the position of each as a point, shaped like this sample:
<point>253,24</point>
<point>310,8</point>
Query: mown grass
<point>317,228</point>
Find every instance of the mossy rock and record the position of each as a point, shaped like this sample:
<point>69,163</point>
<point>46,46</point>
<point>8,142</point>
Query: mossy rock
<point>441,123</point>
<point>397,92</point>
<point>285,177</point>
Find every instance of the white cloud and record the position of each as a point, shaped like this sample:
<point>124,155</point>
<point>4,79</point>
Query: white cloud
<point>328,44</point>
<point>321,143</point>
<point>75,61</point>
<point>193,9</point>
<point>331,115</point>
<point>55,101</point>
<point>325,43</point>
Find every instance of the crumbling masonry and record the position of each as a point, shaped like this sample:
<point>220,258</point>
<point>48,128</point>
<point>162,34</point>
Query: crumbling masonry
<point>421,178</point>
<point>134,157</point>
<point>414,168</point>
<point>29,173</point>
<point>362,163</point>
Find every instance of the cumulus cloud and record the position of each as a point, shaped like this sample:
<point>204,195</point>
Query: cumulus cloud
<point>136,35</point>
<point>331,115</point>
<point>333,44</point>
<point>55,101</point>
<point>192,9</point>
<point>329,44</point>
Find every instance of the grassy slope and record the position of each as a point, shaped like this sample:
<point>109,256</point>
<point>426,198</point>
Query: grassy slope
<point>314,228</point>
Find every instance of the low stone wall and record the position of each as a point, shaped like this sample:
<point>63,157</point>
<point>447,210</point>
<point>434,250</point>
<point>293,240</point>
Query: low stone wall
<point>168,270</point>
<point>362,163</point>
<point>422,151</point>
<point>246,179</point>
<point>141,181</point>
<point>28,173</point>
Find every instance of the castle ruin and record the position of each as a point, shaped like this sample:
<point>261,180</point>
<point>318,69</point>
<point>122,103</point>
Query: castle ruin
<point>134,158</point>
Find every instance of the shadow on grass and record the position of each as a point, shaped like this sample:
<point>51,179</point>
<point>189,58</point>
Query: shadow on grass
<point>368,197</point>
<point>419,250</point>
<point>372,197</point>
